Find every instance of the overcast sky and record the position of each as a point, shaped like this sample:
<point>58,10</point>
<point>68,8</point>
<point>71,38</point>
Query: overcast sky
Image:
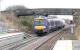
<point>41,3</point>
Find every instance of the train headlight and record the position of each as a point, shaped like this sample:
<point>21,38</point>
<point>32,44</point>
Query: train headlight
<point>39,27</point>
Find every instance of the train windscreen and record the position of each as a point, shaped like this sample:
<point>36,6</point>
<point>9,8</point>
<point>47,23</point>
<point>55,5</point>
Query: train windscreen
<point>40,22</point>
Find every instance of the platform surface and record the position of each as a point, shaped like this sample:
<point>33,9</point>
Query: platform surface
<point>67,45</point>
<point>63,45</point>
<point>76,44</point>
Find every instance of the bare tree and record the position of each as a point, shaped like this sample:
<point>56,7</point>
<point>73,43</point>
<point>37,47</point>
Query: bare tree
<point>15,7</point>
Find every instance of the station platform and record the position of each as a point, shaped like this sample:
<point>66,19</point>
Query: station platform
<point>67,45</point>
<point>9,34</point>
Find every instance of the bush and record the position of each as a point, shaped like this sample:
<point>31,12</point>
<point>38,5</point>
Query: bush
<point>26,21</point>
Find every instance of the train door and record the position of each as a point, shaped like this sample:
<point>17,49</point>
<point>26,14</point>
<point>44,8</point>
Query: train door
<point>57,24</point>
<point>52,26</point>
<point>49,25</point>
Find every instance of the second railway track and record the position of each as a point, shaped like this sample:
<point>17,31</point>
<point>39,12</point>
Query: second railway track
<point>15,45</point>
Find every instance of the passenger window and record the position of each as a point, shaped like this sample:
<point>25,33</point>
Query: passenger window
<point>52,23</point>
<point>48,24</point>
<point>57,22</point>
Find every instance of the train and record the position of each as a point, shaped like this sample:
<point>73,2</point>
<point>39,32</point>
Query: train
<point>45,25</point>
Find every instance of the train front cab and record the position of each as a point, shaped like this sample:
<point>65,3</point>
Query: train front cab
<point>40,27</point>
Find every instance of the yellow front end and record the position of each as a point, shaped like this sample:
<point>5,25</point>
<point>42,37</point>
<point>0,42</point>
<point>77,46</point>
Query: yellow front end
<point>40,27</point>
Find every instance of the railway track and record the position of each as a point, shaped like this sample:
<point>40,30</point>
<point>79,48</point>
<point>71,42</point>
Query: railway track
<point>15,45</point>
<point>49,43</point>
<point>42,42</point>
<point>36,43</point>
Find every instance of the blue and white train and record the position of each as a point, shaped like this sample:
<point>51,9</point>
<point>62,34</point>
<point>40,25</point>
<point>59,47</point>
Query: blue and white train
<point>42,25</point>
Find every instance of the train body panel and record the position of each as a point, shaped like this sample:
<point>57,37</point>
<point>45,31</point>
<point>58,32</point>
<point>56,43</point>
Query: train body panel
<point>53,23</point>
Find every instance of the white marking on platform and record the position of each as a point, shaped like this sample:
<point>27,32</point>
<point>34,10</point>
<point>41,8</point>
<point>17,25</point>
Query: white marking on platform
<point>63,45</point>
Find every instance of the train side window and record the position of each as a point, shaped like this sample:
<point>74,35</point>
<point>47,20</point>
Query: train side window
<point>52,23</point>
<point>48,24</point>
<point>61,23</point>
<point>57,23</point>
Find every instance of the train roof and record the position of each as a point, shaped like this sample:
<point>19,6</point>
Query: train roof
<point>54,19</point>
